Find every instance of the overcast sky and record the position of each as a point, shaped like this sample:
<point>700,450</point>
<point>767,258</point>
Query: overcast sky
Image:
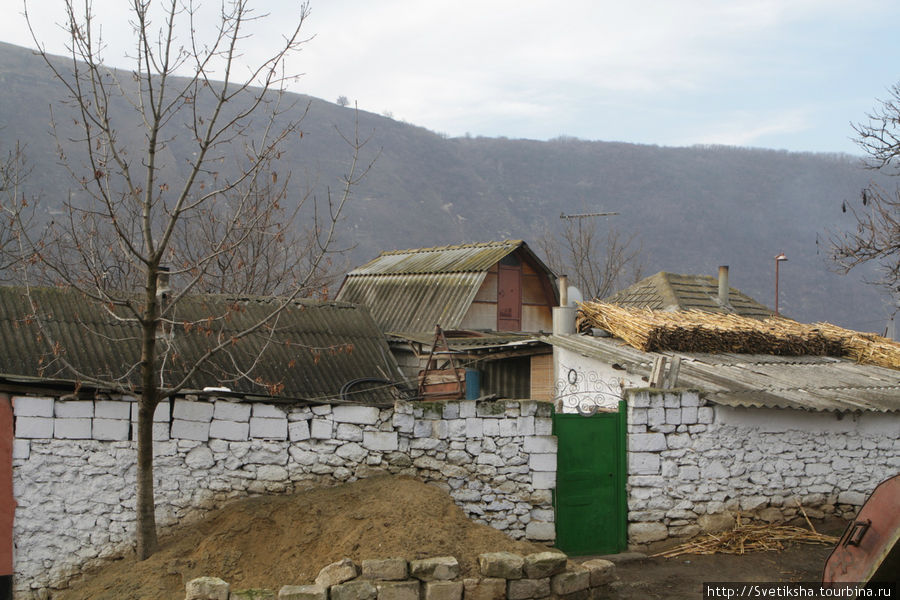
<point>784,74</point>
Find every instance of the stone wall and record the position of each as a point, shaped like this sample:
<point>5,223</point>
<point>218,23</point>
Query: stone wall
<point>693,465</point>
<point>501,576</point>
<point>74,465</point>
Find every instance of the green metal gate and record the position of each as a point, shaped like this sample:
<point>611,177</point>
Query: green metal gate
<point>590,502</point>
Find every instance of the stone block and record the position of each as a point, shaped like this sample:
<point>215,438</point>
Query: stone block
<point>233,431</point>
<point>491,428</point>
<point>34,427</point>
<point>716,522</point>
<point>574,579</point>
<point>543,480</point>
<point>28,406</point>
<point>360,415</point>
<point>160,432</point>
<point>474,428</point>
<point>74,409</point>
<point>545,444</point>
<point>187,410</point>
<point>112,409</point>
<point>705,415</point>
<point>643,463</point>
<point>360,589</point>
<point>388,569</point>
<point>160,414</point>
<point>232,411</point>
<point>207,588</point>
<point>382,441</point>
<point>526,589</point>
<point>111,429</point>
<point>544,564</point>
<point>673,416</point>
<point>190,430</point>
<point>440,568</point>
<point>398,590</point>
<point>320,429</point>
<point>467,408</point>
<point>688,415</point>
<point>854,498</point>
<point>303,592</point>
<point>525,425</point>
<point>484,589</point>
<point>336,573</point>
<point>267,411</point>
<point>298,431</point>
<point>603,572</point>
<point>505,565</point>
<point>647,442</point>
<point>656,416</point>
<point>543,426</point>
<point>21,449</point>
<point>268,428</point>
<point>72,429</point>
<point>644,533</point>
<point>542,462</point>
<point>540,531</point>
<point>508,428</point>
<point>444,590</point>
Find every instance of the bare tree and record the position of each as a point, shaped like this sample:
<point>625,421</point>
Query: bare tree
<point>343,101</point>
<point>876,235</point>
<point>16,210</point>
<point>596,265</point>
<point>197,198</point>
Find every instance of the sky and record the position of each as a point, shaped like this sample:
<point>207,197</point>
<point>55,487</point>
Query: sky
<point>781,74</point>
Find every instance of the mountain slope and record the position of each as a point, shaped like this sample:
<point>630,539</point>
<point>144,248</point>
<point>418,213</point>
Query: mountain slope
<point>693,208</point>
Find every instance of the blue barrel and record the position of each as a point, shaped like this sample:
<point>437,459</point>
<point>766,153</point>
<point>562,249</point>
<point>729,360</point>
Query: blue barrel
<point>473,384</point>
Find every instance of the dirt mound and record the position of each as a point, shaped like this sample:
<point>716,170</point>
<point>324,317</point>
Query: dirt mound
<point>267,542</point>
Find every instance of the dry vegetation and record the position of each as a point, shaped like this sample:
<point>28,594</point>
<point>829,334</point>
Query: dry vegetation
<point>697,331</point>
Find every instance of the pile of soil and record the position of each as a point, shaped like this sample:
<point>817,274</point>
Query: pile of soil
<point>271,541</point>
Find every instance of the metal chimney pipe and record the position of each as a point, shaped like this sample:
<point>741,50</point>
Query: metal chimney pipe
<point>563,315</point>
<point>723,285</point>
<point>563,290</point>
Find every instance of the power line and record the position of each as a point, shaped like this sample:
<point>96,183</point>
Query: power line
<point>586,215</point>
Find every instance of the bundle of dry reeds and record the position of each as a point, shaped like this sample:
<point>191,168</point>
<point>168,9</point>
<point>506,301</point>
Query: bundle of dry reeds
<point>752,538</point>
<point>698,331</point>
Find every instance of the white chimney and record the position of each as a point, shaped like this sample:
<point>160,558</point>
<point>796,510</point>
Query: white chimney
<point>723,286</point>
<point>563,315</point>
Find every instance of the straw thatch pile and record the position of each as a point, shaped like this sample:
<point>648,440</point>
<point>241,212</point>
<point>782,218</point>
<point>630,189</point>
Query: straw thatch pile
<point>698,331</point>
<point>750,538</point>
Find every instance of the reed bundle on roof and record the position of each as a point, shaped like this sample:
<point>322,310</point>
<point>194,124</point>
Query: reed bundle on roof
<point>698,331</point>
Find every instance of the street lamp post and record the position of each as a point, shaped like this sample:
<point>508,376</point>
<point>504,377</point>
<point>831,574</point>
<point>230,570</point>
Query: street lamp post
<point>778,259</point>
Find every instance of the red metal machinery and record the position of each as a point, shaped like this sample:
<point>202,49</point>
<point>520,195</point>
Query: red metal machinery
<point>869,549</point>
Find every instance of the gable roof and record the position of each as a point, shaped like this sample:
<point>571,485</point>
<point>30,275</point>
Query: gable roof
<point>671,291</point>
<point>310,351</point>
<point>414,290</point>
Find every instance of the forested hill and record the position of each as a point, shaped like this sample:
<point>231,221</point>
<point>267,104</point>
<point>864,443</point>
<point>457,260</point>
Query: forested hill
<point>692,208</point>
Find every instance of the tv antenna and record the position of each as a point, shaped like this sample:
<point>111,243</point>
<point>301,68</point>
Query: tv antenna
<point>586,215</point>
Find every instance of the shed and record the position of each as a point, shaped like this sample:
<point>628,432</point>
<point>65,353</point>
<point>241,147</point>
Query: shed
<point>313,351</point>
<point>491,286</point>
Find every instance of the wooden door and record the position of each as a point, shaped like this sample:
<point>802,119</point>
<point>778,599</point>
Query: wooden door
<point>590,500</point>
<point>509,294</point>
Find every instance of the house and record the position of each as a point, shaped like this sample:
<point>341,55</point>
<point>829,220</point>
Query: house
<point>721,414</point>
<point>671,291</point>
<point>492,300</point>
<point>311,351</point>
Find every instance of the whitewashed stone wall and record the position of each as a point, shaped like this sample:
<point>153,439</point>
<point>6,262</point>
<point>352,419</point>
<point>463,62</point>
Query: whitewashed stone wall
<point>691,464</point>
<point>74,465</point>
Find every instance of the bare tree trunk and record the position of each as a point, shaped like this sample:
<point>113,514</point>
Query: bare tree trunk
<point>147,542</point>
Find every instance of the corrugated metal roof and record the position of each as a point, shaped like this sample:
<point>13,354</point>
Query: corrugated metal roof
<point>414,290</point>
<point>464,258</point>
<point>815,383</point>
<point>414,302</point>
<point>671,291</point>
<point>310,350</point>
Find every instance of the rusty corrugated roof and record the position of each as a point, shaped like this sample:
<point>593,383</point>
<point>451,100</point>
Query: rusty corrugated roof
<point>671,291</point>
<point>414,290</point>
<point>814,383</point>
<point>309,351</point>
